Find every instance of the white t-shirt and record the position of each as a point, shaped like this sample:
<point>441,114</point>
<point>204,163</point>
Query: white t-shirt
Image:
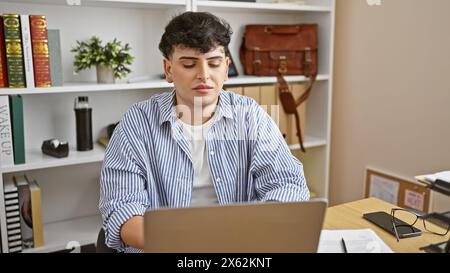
<point>203,193</point>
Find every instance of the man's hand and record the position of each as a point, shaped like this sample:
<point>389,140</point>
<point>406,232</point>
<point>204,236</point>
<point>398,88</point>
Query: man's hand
<point>132,232</point>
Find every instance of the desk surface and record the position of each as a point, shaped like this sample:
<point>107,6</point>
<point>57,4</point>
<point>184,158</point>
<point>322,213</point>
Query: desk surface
<point>350,216</point>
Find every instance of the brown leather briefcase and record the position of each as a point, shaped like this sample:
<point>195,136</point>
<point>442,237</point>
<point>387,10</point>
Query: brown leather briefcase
<point>278,50</point>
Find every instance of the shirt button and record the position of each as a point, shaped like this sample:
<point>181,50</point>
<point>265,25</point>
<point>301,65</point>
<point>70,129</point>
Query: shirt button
<point>218,179</point>
<point>212,152</point>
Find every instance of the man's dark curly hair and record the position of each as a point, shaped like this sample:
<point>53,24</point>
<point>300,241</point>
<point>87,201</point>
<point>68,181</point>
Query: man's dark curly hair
<point>198,30</point>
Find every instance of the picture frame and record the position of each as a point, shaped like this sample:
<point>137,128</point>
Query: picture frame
<point>232,70</point>
<point>399,191</point>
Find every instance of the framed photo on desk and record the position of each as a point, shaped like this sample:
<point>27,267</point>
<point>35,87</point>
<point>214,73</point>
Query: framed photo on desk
<point>396,190</point>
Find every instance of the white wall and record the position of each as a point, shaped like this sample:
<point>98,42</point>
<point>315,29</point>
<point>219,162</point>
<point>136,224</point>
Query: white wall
<point>391,103</point>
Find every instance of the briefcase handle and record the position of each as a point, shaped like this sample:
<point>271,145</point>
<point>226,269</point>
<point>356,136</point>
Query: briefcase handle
<point>280,29</point>
<point>290,105</point>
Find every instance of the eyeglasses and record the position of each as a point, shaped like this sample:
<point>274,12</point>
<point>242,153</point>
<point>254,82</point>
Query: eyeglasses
<point>410,218</point>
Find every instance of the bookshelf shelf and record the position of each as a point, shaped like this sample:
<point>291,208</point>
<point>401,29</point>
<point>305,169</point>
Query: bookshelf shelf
<point>260,7</point>
<point>309,142</point>
<point>57,235</point>
<point>37,160</point>
<point>152,84</point>
<point>243,80</point>
<point>87,87</point>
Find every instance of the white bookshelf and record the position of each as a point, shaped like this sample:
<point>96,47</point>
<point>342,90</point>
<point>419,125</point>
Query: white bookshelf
<point>318,106</point>
<point>71,185</point>
<point>74,87</point>
<point>58,235</point>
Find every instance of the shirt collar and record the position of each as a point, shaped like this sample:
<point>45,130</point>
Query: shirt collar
<point>166,103</point>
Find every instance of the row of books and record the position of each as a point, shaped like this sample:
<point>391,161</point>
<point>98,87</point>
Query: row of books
<point>12,135</point>
<point>30,54</point>
<point>23,210</point>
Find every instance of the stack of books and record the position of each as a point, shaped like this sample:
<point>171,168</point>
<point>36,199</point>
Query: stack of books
<point>23,210</point>
<point>29,52</point>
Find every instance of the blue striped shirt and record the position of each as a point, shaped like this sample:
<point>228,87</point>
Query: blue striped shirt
<point>148,162</point>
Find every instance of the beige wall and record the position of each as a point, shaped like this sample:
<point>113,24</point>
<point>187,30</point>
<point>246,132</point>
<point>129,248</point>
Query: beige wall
<point>391,97</point>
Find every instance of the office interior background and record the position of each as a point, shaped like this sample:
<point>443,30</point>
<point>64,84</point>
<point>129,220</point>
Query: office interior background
<point>387,76</point>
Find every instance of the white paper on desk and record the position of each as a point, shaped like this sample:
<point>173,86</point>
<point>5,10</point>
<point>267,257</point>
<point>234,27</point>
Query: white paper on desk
<point>356,241</point>
<point>444,176</point>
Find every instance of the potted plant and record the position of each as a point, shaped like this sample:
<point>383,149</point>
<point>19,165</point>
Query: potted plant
<point>110,60</point>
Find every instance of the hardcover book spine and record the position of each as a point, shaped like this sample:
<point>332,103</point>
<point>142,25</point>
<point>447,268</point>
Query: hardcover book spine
<point>3,68</point>
<point>36,212</point>
<point>27,52</point>
<point>26,221</point>
<point>14,52</point>
<point>54,48</point>
<point>6,144</point>
<point>16,105</point>
<point>39,44</point>
<point>12,216</point>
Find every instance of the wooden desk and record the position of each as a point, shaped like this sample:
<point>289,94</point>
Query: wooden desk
<point>350,216</point>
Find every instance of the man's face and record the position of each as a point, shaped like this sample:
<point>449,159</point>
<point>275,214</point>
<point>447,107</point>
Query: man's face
<point>197,75</point>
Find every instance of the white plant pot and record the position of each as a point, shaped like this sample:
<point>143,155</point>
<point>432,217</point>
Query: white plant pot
<point>105,74</point>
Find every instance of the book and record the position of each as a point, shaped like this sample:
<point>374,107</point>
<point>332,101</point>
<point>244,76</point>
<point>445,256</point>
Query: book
<point>13,225</point>
<point>6,144</point>
<point>15,237</point>
<point>39,45</point>
<point>13,219</point>
<point>11,202</point>
<point>16,105</point>
<point>11,209</point>
<point>11,197</point>
<point>36,213</point>
<point>27,52</point>
<point>3,68</point>
<point>12,212</point>
<point>26,221</point>
<point>14,51</point>
<point>54,49</point>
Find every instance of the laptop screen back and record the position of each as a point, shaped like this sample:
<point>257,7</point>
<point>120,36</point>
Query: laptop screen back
<point>241,228</point>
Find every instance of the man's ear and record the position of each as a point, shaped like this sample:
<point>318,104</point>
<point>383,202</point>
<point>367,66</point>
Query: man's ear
<point>168,70</point>
<point>227,64</point>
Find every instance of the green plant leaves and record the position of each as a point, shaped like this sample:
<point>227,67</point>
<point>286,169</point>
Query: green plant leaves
<point>92,52</point>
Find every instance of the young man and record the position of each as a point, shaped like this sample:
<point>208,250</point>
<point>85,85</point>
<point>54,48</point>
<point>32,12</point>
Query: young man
<point>196,145</point>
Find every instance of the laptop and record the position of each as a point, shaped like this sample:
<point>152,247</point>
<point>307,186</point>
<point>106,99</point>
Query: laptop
<point>291,227</point>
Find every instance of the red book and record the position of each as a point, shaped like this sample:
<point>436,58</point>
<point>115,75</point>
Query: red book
<point>39,46</point>
<point>3,68</point>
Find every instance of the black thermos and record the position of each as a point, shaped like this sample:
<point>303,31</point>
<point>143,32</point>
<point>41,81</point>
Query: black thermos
<point>83,116</point>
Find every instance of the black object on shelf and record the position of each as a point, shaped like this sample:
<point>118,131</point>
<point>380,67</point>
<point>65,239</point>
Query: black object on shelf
<point>83,115</point>
<point>440,186</point>
<point>110,129</point>
<point>55,148</point>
